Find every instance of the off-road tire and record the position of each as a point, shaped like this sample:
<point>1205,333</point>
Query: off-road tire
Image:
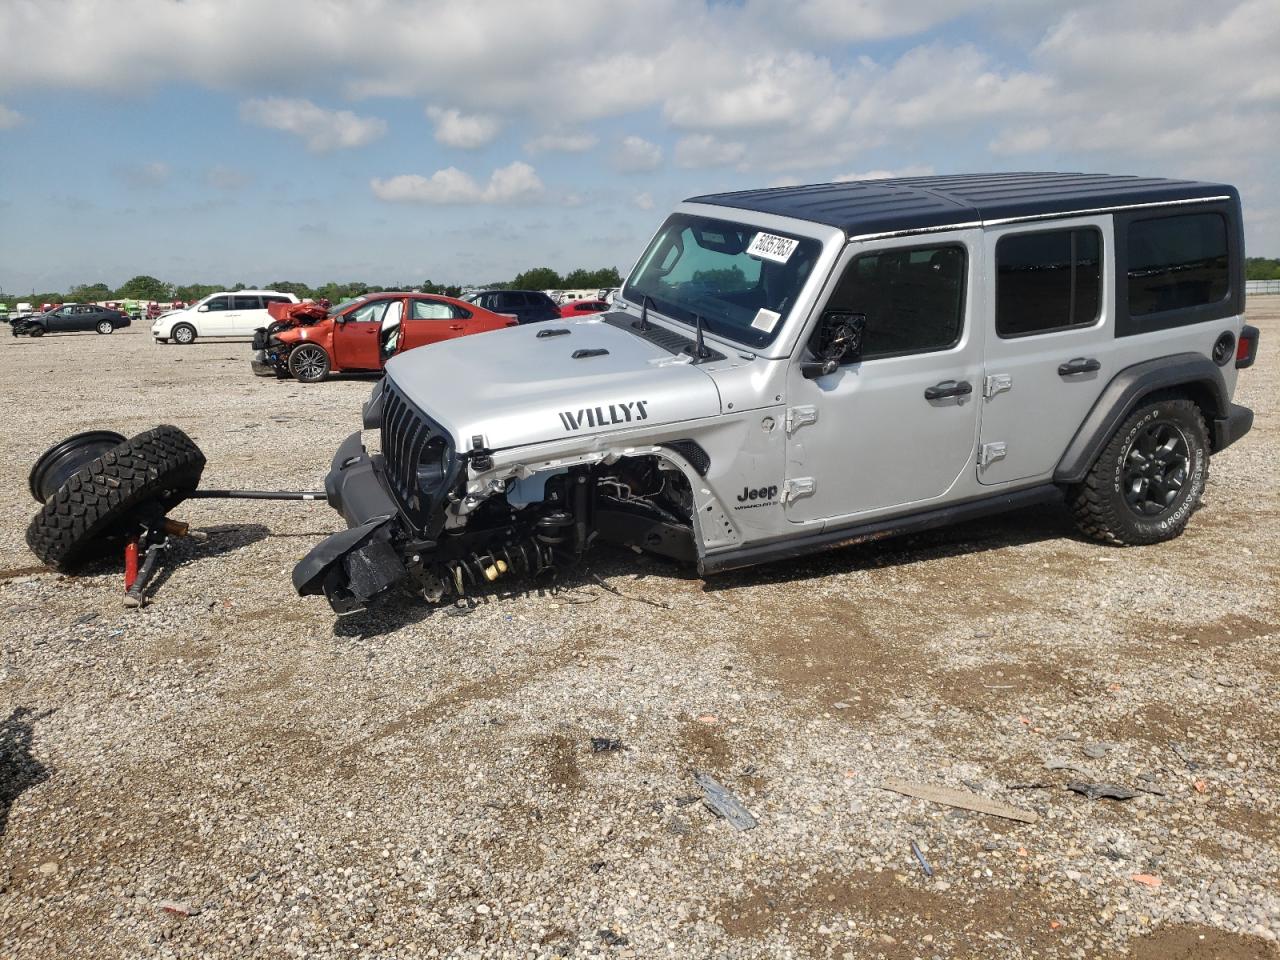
<point>176,334</point>
<point>1099,505</point>
<point>105,326</point>
<point>35,330</point>
<point>105,497</point>
<point>305,364</point>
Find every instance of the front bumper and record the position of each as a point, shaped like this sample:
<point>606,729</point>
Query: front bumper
<point>261,366</point>
<point>1227,430</point>
<point>357,564</point>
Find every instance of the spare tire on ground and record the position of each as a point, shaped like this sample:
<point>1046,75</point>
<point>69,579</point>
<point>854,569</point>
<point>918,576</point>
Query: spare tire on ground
<point>110,496</point>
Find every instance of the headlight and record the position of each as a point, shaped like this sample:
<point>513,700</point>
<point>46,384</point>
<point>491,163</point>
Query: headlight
<point>433,466</point>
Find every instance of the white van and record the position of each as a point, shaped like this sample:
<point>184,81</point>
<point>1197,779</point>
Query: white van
<point>230,313</point>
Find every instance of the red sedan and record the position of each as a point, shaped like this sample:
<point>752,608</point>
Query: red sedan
<point>308,341</point>
<point>579,308</point>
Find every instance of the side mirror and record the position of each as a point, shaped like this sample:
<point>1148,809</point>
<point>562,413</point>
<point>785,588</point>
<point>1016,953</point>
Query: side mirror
<point>203,308</point>
<point>837,341</point>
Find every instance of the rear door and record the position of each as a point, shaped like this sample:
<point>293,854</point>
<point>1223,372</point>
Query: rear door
<point>896,431</point>
<point>431,321</point>
<point>245,316</point>
<point>357,337</point>
<point>1050,349</point>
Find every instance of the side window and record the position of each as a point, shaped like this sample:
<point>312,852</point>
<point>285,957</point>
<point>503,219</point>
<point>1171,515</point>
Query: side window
<point>913,299</point>
<point>219,303</point>
<point>368,313</point>
<point>431,310</point>
<point>1177,262</point>
<point>275,299</point>
<point>246,303</point>
<point>1048,280</point>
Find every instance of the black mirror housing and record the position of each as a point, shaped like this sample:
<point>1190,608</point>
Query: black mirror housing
<point>837,340</point>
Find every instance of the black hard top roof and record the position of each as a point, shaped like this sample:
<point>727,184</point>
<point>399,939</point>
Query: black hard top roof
<point>918,203</point>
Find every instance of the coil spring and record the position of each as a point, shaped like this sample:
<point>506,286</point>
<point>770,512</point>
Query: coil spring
<point>529,556</point>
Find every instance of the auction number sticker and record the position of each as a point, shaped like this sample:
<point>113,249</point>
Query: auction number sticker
<point>768,246</point>
<point>766,320</point>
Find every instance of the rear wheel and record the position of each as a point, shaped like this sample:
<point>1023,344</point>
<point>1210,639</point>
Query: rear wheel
<point>183,333</point>
<point>105,326</point>
<point>1149,477</point>
<point>309,363</point>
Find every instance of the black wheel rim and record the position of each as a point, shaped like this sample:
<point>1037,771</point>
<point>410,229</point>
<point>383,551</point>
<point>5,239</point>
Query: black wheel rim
<point>1156,467</point>
<point>308,363</point>
<point>60,462</point>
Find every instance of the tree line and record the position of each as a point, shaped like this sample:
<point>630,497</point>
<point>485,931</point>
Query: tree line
<point>1261,268</point>
<point>143,287</point>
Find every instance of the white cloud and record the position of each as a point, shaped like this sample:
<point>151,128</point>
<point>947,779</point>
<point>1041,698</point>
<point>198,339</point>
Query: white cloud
<point>636,155</point>
<point>465,131</point>
<point>562,143</point>
<point>515,183</point>
<point>916,170</point>
<point>9,118</point>
<point>1021,140</point>
<point>323,129</point>
<point>642,201</point>
<point>704,150</point>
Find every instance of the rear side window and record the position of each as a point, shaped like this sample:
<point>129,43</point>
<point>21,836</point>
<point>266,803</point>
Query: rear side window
<point>432,310</point>
<point>913,299</point>
<point>275,299</point>
<point>1050,280</point>
<point>1177,262</point>
<point>246,303</point>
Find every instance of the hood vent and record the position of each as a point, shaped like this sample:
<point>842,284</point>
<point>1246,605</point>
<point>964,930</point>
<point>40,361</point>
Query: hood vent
<point>659,336</point>
<point>584,354</point>
<point>552,333</point>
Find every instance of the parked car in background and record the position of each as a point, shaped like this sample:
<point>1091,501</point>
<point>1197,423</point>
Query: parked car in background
<point>231,313</point>
<point>70,318</point>
<point>309,342</point>
<point>527,306</point>
<point>581,308</point>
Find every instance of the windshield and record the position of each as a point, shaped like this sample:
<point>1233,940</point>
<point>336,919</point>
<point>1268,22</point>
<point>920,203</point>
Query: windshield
<point>342,307</point>
<point>742,280</point>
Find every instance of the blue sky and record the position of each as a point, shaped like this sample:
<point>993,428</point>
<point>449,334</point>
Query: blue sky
<point>388,141</point>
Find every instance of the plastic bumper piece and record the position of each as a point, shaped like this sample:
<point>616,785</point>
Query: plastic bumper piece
<point>355,565</point>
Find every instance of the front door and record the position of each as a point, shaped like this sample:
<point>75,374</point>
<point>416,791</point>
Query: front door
<point>895,430</point>
<point>357,337</point>
<point>1050,352</point>
<point>213,320</point>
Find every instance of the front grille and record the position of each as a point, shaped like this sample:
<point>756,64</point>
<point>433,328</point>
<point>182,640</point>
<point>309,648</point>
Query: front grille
<point>405,433</point>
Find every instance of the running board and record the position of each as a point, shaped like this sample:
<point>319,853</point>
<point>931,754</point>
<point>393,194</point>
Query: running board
<point>850,534</point>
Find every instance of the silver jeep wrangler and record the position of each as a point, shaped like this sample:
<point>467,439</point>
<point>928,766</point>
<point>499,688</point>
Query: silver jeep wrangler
<point>801,368</point>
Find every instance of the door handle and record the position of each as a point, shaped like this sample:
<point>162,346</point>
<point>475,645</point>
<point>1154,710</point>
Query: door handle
<point>948,388</point>
<point>455,326</point>
<point>1079,365</point>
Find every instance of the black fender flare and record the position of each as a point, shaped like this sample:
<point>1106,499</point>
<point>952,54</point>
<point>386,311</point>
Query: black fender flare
<point>1193,371</point>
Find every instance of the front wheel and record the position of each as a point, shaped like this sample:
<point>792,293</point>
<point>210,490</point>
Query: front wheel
<point>35,331</point>
<point>309,363</point>
<point>105,326</point>
<point>183,333</point>
<point>1148,479</point>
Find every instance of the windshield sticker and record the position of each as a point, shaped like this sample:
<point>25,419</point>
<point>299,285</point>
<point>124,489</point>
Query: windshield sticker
<point>765,320</point>
<point>767,246</point>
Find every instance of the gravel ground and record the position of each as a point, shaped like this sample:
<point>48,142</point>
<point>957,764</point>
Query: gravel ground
<point>230,773</point>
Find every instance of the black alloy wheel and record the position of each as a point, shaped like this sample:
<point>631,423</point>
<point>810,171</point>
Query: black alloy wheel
<point>1155,468</point>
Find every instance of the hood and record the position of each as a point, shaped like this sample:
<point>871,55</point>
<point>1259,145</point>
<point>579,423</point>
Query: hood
<point>514,387</point>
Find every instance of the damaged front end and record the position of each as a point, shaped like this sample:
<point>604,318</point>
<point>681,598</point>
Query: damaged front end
<point>445,521</point>
<point>270,353</point>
